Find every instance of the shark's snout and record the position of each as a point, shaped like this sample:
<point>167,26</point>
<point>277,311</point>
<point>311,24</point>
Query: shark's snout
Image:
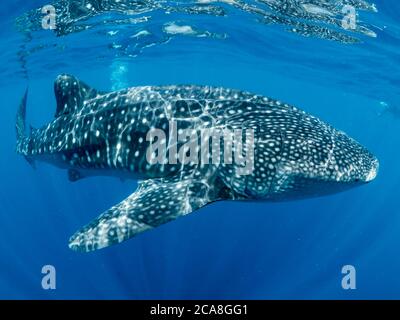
<point>373,172</point>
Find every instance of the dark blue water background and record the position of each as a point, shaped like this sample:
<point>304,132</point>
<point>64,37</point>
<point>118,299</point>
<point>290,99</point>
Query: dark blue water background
<point>227,249</point>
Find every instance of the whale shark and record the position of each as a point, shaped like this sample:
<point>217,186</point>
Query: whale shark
<point>294,155</point>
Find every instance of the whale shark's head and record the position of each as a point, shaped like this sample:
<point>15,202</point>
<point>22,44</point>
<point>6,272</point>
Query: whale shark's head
<point>350,162</point>
<point>319,160</point>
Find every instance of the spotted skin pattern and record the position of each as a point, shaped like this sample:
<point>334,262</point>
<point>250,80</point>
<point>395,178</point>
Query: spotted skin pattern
<point>295,154</point>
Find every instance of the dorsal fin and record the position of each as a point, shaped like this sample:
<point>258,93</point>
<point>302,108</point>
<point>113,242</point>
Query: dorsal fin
<point>71,94</point>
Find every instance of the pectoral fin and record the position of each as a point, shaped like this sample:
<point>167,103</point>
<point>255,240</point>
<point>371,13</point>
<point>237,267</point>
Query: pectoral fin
<point>154,203</point>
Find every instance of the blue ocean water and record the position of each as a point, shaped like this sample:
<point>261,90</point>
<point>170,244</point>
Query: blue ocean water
<point>227,250</point>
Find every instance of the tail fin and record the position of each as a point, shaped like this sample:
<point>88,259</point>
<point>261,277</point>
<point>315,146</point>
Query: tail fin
<point>21,115</point>
<point>20,127</point>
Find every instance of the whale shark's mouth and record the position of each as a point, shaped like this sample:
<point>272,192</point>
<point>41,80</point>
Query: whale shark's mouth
<point>373,172</point>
